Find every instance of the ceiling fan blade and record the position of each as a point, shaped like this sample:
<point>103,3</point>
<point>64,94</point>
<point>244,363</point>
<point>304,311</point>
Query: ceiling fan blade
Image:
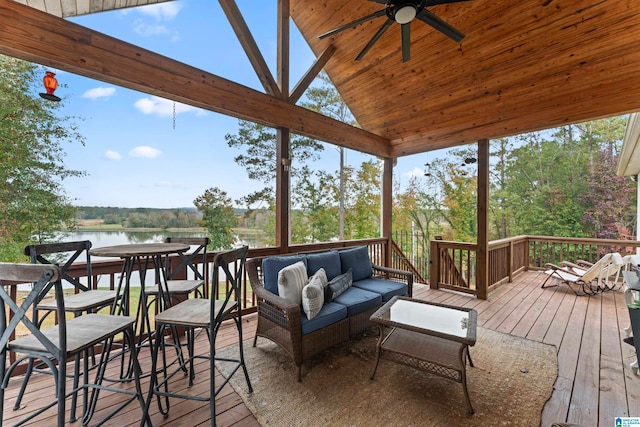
<point>436,2</point>
<point>385,1</point>
<point>375,38</point>
<point>406,42</point>
<point>353,24</point>
<point>440,25</point>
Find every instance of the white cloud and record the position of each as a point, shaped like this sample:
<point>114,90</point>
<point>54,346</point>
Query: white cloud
<point>162,11</point>
<point>145,151</point>
<point>416,172</point>
<point>147,30</point>
<point>112,155</point>
<point>99,92</point>
<point>164,107</point>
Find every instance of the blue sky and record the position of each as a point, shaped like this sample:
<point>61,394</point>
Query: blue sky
<point>133,155</point>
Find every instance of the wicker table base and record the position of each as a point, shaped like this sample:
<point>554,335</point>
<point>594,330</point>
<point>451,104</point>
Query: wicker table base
<point>430,350</point>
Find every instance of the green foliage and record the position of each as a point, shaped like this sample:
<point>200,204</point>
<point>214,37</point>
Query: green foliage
<point>259,160</point>
<point>315,219</point>
<point>316,203</point>
<point>217,217</point>
<point>558,183</point>
<point>418,209</point>
<point>33,203</point>
<point>362,201</point>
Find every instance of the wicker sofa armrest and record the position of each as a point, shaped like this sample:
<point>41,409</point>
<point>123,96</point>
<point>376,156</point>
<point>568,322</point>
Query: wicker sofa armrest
<point>281,311</point>
<point>395,275</point>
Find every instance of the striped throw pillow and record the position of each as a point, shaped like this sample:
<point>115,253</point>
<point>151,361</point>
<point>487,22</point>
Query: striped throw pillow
<point>313,297</point>
<point>291,280</point>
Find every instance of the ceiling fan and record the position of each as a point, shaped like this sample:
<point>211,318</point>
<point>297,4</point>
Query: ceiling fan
<point>403,12</point>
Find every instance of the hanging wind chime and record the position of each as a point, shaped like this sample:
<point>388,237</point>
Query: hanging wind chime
<point>50,85</point>
<point>174,115</point>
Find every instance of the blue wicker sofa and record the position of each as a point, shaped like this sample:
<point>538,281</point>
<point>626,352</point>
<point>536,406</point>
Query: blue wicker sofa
<point>286,323</point>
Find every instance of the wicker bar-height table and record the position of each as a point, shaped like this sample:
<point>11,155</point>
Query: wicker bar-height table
<point>427,336</point>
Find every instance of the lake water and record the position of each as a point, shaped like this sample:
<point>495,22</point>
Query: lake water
<point>113,238</point>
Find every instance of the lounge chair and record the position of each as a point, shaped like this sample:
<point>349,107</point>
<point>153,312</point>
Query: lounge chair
<point>597,277</point>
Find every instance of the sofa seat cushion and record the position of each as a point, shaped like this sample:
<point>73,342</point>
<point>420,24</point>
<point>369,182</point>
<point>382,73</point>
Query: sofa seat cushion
<point>330,313</point>
<point>386,288</point>
<point>358,300</point>
<point>329,260</point>
<point>271,266</point>
<point>357,259</point>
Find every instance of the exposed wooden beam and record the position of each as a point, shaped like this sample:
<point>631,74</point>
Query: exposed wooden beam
<point>311,74</point>
<point>250,47</point>
<point>85,52</point>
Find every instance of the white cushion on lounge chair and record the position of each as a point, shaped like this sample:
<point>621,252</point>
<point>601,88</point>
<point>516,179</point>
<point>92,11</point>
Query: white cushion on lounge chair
<point>600,272</point>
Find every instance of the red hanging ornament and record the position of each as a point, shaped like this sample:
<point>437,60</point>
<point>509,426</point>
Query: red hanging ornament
<point>50,85</point>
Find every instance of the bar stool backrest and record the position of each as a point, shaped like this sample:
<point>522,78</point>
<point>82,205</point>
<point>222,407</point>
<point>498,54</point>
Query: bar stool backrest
<point>188,260</point>
<point>42,277</point>
<point>232,264</point>
<point>50,253</point>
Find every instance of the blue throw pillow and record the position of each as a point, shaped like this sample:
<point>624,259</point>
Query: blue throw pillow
<point>271,266</point>
<point>337,286</point>
<point>329,260</point>
<point>357,259</point>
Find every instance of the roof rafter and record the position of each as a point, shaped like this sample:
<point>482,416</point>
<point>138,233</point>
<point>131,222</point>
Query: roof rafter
<point>92,54</point>
<point>248,43</point>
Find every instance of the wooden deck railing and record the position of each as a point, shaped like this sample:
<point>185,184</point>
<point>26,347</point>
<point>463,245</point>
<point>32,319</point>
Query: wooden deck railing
<point>453,263</point>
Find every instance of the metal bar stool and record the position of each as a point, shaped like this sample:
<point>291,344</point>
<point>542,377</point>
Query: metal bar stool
<point>207,314</point>
<point>54,346</point>
<point>84,300</point>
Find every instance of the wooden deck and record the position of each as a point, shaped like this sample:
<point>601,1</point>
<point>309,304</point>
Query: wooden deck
<point>595,383</point>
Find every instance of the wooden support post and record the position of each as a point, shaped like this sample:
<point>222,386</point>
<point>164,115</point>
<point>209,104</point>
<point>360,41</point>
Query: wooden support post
<point>386,215</point>
<point>283,192</point>
<point>283,174</point>
<point>482,253</point>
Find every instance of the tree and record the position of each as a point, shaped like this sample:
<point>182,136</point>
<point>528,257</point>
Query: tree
<point>456,179</point>
<point>362,201</point>
<point>326,100</point>
<point>217,217</point>
<point>418,208</point>
<point>499,212</point>
<point>314,219</point>
<point>260,162</point>
<point>33,203</point>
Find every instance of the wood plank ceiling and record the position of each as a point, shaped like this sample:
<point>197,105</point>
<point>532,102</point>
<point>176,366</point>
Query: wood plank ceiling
<point>523,66</point>
<point>68,8</point>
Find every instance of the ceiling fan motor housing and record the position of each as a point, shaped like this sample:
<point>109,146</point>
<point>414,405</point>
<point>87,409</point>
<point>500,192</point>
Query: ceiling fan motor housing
<point>404,11</point>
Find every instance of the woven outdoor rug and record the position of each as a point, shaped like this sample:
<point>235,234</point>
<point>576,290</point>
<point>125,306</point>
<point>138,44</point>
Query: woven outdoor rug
<point>509,385</point>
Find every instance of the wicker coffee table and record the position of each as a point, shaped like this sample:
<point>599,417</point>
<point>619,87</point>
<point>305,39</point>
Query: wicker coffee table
<point>427,336</point>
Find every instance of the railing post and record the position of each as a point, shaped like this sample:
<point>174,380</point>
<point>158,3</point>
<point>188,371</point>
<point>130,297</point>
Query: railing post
<point>434,265</point>
<point>510,255</point>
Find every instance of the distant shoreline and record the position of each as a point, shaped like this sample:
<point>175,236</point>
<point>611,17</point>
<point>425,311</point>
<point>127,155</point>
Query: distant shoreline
<point>92,225</point>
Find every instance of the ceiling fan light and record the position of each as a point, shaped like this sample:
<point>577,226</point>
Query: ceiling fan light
<point>405,14</point>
